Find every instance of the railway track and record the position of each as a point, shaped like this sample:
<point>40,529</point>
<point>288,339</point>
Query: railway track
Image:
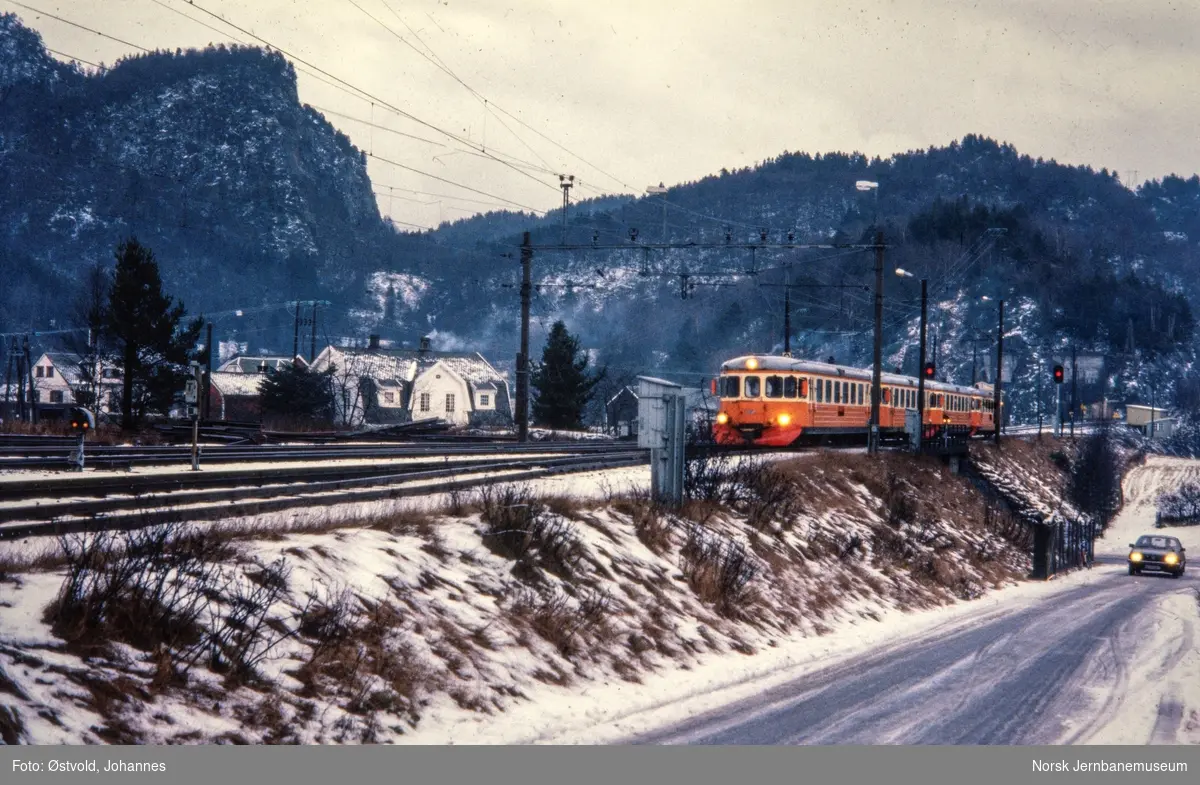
<point>43,509</point>
<point>52,456</point>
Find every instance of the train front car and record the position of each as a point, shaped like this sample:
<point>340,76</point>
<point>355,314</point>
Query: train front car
<point>762,402</point>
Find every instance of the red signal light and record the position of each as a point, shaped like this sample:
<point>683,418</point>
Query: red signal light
<point>1058,374</point>
<point>930,370</point>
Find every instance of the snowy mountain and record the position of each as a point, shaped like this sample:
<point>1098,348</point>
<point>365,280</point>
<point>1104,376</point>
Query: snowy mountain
<point>249,197</point>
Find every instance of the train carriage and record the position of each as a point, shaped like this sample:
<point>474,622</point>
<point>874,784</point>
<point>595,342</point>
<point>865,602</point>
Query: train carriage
<point>778,401</point>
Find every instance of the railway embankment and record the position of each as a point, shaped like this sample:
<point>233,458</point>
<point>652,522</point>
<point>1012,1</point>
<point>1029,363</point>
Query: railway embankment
<point>496,613</point>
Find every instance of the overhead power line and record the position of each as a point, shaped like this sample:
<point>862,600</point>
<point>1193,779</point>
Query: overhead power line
<point>76,24</point>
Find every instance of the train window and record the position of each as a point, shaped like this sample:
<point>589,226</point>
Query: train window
<point>887,395</point>
<point>837,393</point>
<point>789,387</point>
<point>828,391</point>
<point>774,386</point>
<point>753,386</point>
<point>731,386</point>
<point>845,392</point>
<point>804,388</point>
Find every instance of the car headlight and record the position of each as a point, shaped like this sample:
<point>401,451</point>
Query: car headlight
<point>784,419</point>
<point>722,418</point>
<point>1170,558</point>
<point>1135,556</point>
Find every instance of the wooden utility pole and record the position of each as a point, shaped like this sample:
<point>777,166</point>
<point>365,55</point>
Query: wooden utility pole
<point>522,413</point>
<point>1074,368</point>
<point>997,403</point>
<point>921,373</point>
<point>787,313</point>
<point>296,332</point>
<point>312,349</point>
<point>876,377</point>
<point>208,344</point>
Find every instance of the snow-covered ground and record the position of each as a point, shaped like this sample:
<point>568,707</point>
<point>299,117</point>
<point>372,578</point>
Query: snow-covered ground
<point>663,654</point>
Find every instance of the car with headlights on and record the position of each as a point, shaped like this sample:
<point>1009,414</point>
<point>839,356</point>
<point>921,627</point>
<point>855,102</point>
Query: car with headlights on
<point>1156,553</point>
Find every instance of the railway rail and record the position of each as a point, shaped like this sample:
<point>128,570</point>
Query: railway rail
<point>36,455</point>
<point>157,499</point>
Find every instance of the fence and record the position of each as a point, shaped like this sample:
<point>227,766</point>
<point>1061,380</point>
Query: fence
<point>1061,545</point>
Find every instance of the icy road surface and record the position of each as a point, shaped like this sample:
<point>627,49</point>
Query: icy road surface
<point>1113,660</point>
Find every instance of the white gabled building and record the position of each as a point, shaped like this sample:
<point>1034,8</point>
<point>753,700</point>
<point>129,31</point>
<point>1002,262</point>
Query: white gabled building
<point>379,384</point>
<point>64,379</point>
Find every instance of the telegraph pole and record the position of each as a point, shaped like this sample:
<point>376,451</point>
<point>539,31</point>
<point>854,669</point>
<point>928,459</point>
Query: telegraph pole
<point>523,356</point>
<point>296,333</point>
<point>1074,366</point>
<point>208,378</point>
<point>876,378</point>
<point>565,181</point>
<point>921,374</point>
<point>33,401</point>
<point>787,313</point>
<point>997,404</point>
<point>312,349</point>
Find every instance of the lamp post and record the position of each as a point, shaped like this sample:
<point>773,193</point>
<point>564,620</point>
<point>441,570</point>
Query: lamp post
<point>921,360</point>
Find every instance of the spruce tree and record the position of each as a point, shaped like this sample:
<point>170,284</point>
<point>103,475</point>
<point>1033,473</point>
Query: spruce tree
<point>143,325</point>
<point>564,385</point>
<point>296,392</point>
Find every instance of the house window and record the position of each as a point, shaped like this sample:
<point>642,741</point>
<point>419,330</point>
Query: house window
<point>449,403</point>
<point>49,371</point>
<point>389,397</point>
<point>424,402</point>
<point>40,371</point>
<point>56,396</point>
<point>484,400</point>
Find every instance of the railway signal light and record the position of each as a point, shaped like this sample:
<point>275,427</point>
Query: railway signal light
<point>1058,374</point>
<point>81,421</point>
<point>930,370</point>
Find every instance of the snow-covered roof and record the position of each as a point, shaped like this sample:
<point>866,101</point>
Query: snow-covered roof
<point>251,364</point>
<point>67,365</point>
<point>237,384</point>
<point>405,365</point>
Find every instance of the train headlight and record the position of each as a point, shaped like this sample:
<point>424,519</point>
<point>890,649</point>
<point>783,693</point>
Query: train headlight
<point>1170,558</point>
<point>722,418</point>
<point>1135,556</point>
<point>752,363</point>
<point>784,419</point>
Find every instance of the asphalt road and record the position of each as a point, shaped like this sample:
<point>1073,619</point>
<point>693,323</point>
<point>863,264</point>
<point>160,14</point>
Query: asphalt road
<point>1045,673</point>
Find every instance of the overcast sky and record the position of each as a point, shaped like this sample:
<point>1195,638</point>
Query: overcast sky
<point>664,90</point>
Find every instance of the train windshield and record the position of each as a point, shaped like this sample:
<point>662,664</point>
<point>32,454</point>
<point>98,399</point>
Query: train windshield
<point>775,387</point>
<point>753,386</point>
<point>730,387</point>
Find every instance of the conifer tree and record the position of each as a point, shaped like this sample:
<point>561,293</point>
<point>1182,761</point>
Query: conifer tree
<point>144,327</point>
<point>564,385</point>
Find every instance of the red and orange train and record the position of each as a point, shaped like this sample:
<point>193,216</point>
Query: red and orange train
<point>776,401</point>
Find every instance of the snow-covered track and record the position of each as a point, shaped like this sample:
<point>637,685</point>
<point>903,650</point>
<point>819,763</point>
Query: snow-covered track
<point>259,495</point>
<point>35,456</point>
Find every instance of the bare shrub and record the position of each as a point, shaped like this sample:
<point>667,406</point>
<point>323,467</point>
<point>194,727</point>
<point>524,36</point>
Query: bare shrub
<point>765,494</point>
<point>358,654</point>
<point>556,619</point>
<point>149,588</point>
<point>243,637</point>
<point>520,526</point>
<point>1181,505</point>
<point>719,571</point>
<point>650,518</point>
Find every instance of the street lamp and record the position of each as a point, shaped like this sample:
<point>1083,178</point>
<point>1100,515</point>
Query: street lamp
<point>661,190</point>
<point>921,360</point>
